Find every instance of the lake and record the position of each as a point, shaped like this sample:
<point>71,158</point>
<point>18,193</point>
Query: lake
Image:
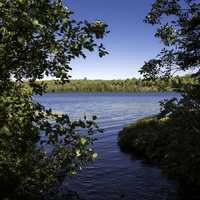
<point>114,175</point>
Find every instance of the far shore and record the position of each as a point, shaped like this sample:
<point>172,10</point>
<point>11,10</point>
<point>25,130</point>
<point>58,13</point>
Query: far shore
<point>127,85</point>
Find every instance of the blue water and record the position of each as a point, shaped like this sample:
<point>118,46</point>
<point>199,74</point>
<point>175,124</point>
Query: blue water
<point>114,175</point>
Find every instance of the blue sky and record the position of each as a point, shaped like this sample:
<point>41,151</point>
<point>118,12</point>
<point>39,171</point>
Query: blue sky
<point>130,41</point>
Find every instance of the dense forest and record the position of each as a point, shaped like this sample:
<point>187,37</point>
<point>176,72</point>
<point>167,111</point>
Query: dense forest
<point>128,85</point>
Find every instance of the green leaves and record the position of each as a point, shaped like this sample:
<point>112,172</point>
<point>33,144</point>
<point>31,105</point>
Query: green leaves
<point>47,39</point>
<point>178,29</point>
<point>36,144</point>
<point>39,38</point>
<point>160,8</point>
<point>83,140</point>
<point>167,33</point>
<point>98,28</point>
<point>5,130</point>
<point>20,39</point>
<point>176,144</point>
<point>35,22</point>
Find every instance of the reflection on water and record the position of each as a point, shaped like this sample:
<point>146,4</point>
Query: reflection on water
<point>114,175</point>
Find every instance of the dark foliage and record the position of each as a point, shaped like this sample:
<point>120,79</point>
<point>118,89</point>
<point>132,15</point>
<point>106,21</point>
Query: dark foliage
<point>173,143</point>
<point>39,38</point>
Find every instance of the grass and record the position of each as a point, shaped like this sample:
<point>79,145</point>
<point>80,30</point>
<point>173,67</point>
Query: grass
<point>141,137</point>
<point>162,142</point>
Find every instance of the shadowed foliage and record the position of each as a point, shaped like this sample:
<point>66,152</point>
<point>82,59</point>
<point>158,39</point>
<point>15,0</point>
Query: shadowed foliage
<point>174,143</point>
<point>39,38</point>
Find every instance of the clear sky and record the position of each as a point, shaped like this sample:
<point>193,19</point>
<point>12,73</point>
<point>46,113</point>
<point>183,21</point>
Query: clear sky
<point>130,41</point>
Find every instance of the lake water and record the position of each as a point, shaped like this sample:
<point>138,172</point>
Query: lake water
<point>114,175</point>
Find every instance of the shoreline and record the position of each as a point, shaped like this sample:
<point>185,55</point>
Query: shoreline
<point>158,142</point>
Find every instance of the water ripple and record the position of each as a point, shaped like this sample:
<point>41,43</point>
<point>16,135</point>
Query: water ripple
<point>114,175</point>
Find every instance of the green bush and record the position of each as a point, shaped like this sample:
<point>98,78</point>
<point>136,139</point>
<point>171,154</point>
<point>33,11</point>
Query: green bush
<point>36,145</point>
<point>165,142</point>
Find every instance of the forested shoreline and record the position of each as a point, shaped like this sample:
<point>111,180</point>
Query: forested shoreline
<point>127,85</point>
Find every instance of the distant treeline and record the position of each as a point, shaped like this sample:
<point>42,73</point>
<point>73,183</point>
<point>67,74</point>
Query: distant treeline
<point>128,85</point>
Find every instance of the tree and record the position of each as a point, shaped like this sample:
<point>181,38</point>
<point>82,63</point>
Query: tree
<point>178,27</point>
<point>39,38</point>
<point>180,34</point>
